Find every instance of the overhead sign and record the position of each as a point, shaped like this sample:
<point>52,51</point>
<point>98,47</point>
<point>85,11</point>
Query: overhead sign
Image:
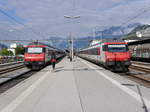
<point>117,45</point>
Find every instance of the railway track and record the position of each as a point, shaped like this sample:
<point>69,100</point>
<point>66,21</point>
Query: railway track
<point>142,68</point>
<point>11,81</point>
<point>141,63</point>
<point>9,64</point>
<point>13,75</point>
<point>139,73</point>
<point>11,68</point>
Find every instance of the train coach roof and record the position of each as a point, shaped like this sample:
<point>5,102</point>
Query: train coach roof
<point>139,42</point>
<point>108,40</point>
<point>43,44</point>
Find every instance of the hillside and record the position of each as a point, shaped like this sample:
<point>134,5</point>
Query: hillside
<point>132,34</point>
<point>2,46</point>
<point>112,32</point>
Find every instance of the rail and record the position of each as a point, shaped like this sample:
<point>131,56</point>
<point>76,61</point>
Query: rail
<point>11,68</point>
<point>11,63</point>
<point>144,76</point>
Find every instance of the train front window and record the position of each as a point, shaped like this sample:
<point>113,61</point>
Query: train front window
<point>35,50</point>
<point>117,48</point>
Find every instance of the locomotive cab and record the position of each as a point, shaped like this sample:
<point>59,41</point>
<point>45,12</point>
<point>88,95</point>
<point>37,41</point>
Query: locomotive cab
<point>38,55</point>
<point>117,56</point>
<point>34,57</point>
<point>111,53</point>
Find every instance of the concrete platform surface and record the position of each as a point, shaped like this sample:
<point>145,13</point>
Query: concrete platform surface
<point>77,86</point>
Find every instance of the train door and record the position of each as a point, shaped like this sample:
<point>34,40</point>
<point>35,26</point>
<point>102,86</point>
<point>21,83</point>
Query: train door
<point>98,53</point>
<point>46,54</point>
<point>95,54</point>
<point>103,49</point>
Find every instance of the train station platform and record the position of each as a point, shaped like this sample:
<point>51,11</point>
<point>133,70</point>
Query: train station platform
<point>77,86</point>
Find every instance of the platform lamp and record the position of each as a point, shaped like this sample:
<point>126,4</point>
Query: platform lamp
<point>71,35</point>
<point>139,34</point>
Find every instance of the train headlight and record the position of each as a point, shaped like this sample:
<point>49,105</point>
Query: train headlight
<point>110,59</point>
<point>26,63</point>
<point>110,63</point>
<point>40,63</point>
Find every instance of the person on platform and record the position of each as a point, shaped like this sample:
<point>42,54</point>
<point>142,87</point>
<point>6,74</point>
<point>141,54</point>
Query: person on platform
<point>53,60</point>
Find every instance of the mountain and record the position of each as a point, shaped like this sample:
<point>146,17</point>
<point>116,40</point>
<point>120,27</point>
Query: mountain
<point>141,28</point>
<point>112,32</point>
<point>117,31</point>
<point>2,46</point>
<point>82,42</point>
<point>58,42</point>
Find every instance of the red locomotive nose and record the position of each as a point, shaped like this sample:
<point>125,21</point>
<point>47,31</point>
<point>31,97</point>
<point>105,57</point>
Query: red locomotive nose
<point>118,56</point>
<point>34,57</point>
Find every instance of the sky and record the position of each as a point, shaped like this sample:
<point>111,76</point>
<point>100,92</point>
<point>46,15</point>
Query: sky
<point>41,19</point>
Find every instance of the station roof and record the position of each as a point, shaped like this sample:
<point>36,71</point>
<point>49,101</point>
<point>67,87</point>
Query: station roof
<point>139,42</point>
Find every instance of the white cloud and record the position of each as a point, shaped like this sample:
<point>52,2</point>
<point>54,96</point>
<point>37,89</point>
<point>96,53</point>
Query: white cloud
<point>46,16</point>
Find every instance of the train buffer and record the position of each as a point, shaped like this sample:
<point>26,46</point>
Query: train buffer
<point>77,86</point>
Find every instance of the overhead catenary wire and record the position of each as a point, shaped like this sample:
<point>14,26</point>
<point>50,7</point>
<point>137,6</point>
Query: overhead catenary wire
<point>20,23</point>
<point>74,7</point>
<point>134,17</point>
<point>141,12</point>
<point>33,31</point>
<point>12,18</point>
<point>45,40</point>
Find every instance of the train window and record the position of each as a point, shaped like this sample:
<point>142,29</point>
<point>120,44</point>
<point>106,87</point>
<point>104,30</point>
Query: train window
<point>93,51</point>
<point>50,52</point>
<point>35,50</point>
<point>26,50</point>
<point>104,47</point>
<point>96,51</point>
<point>117,48</point>
<point>44,50</point>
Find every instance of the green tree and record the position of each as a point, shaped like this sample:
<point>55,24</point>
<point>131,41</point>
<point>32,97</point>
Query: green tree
<point>5,52</point>
<point>19,50</point>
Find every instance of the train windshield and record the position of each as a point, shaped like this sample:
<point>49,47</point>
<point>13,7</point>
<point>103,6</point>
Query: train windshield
<point>117,48</point>
<point>35,50</point>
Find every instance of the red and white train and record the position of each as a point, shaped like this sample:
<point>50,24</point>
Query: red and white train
<point>37,55</point>
<point>112,53</point>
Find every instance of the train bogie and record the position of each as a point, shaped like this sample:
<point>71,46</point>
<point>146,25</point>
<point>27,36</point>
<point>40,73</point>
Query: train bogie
<point>35,65</point>
<point>118,66</point>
